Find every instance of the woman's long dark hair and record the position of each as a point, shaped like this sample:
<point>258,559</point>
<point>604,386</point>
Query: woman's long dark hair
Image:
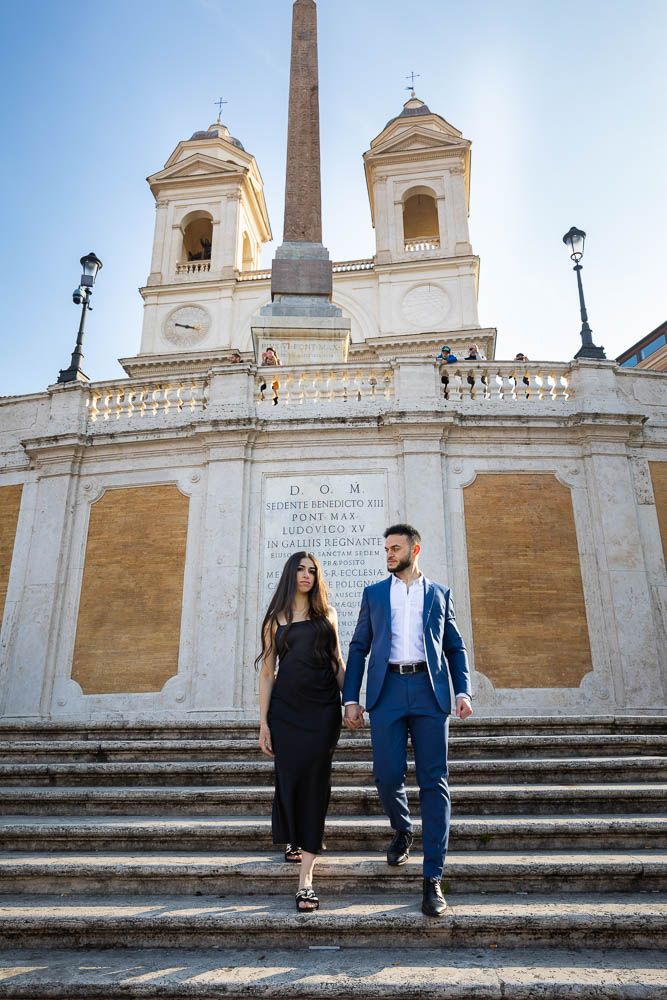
<point>281,606</point>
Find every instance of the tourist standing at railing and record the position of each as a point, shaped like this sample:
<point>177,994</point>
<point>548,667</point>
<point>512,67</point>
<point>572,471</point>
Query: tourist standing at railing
<point>407,624</point>
<point>300,711</point>
<point>446,355</point>
<point>270,359</point>
<point>475,354</point>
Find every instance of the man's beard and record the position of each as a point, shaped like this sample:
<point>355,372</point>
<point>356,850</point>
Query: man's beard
<point>404,564</point>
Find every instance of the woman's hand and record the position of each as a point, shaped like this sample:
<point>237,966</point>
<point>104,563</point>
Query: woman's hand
<point>265,740</point>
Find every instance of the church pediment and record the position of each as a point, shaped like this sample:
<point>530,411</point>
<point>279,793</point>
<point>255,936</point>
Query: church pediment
<point>418,139</point>
<point>197,166</point>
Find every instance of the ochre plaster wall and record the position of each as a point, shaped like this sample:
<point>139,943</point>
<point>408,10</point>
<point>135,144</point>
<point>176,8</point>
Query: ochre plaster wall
<point>10,504</point>
<point>129,622</point>
<point>527,604</point>
<point>659,480</point>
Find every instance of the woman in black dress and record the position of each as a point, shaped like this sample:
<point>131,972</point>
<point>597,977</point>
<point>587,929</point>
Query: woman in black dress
<point>300,711</point>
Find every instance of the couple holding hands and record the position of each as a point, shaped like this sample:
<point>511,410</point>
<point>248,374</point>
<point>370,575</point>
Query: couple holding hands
<point>408,626</point>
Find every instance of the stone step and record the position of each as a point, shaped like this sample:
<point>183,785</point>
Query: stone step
<point>360,873</point>
<point>395,973</point>
<point>462,748</point>
<point>497,920</point>
<point>211,728</point>
<point>365,833</point>
<point>617,799</point>
<point>547,771</point>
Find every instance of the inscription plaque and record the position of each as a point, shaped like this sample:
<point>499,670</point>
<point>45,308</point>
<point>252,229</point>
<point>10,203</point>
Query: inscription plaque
<point>340,518</point>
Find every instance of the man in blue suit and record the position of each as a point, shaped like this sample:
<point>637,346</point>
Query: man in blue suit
<point>407,623</point>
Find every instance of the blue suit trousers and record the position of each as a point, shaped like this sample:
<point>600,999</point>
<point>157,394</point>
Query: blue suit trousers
<point>408,706</point>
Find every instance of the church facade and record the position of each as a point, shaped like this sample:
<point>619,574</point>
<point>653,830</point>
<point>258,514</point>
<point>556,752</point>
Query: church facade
<point>144,521</point>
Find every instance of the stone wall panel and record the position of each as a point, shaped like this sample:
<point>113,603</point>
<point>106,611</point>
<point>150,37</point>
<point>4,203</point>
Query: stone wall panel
<point>527,604</point>
<point>129,622</point>
<point>10,504</point>
<point>659,480</point>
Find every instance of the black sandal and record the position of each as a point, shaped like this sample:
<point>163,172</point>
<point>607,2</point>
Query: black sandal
<point>293,854</point>
<point>307,896</point>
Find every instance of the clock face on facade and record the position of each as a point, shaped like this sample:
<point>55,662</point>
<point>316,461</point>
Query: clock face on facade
<point>187,325</point>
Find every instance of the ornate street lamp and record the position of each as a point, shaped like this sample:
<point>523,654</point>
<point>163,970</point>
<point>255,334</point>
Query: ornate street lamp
<point>81,296</point>
<point>574,239</point>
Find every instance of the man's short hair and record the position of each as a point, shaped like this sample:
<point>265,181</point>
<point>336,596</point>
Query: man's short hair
<point>405,529</point>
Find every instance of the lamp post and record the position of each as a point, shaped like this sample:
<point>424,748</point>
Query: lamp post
<point>81,296</point>
<point>574,239</point>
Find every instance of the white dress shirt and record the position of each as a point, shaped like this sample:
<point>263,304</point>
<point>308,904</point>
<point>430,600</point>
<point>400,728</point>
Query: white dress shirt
<point>407,621</point>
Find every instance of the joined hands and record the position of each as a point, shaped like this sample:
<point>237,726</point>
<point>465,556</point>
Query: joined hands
<point>354,716</point>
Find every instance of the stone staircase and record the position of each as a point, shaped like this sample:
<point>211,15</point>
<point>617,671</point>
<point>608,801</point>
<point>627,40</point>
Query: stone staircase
<point>136,861</point>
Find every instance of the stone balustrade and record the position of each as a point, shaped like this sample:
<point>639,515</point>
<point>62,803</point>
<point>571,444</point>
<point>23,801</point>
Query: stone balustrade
<point>340,267</point>
<point>491,381</point>
<point>422,243</point>
<point>254,275</point>
<point>298,386</point>
<point>353,265</point>
<point>134,400</point>
<point>193,267</point>
<point>351,385</point>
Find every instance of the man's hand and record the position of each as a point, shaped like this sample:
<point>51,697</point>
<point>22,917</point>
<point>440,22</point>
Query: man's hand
<point>354,716</point>
<point>463,708</point>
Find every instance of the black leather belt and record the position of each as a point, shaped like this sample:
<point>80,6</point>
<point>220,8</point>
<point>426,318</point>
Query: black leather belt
<point>407,668</point>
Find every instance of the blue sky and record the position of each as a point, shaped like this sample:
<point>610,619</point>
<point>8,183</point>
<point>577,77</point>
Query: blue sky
<point>564,103</point>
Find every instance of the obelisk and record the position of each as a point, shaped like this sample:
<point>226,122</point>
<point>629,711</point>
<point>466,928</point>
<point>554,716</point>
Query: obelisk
<point>301,317</point>
<point>303,198</point>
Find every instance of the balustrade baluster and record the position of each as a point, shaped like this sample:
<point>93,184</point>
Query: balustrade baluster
<point>197,398</point>
<point>541,386</point>
<point>93,400</point>
<point>339,388</point>
<point>472,383</point>
<point>286,390</point>
<point>505,384</point>
<point>297,391</point>
<point>120,403</point>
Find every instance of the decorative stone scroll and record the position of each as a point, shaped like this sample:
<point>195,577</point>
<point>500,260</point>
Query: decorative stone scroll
<point>340,518</point>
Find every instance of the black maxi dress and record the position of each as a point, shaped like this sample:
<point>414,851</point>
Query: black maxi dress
<point>304,718</point>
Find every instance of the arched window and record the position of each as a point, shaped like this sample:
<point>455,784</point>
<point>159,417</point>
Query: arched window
<point>421,230</point>
<point>197,229</point>
<point>248,260</point>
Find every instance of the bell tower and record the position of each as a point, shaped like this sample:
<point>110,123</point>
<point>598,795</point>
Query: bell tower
<point>418,177</point>
<point>211,222</point>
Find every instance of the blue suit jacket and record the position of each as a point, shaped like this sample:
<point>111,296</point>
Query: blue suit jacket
<point>446,654</point>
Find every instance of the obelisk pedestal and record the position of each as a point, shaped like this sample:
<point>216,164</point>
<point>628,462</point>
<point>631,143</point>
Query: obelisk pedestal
<point>301,323</point>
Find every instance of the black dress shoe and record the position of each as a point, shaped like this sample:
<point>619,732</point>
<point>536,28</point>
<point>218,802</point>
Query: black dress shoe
<point>434,903</point>
<point>399,849</point>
